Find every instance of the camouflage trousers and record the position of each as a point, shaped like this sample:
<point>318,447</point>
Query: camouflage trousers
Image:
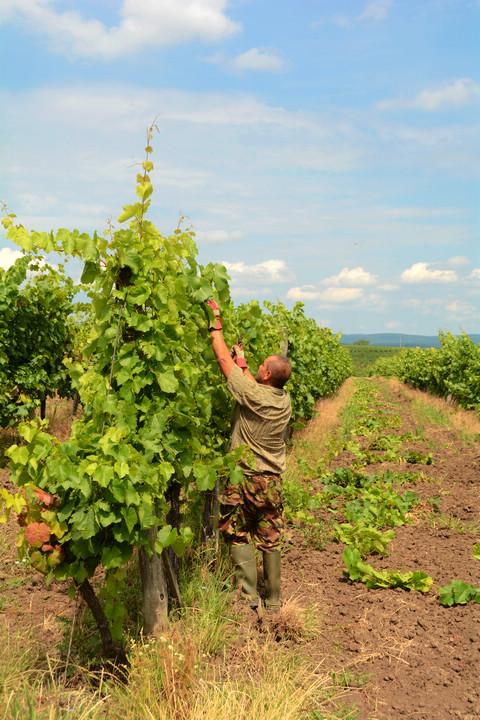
<point>253,509</point>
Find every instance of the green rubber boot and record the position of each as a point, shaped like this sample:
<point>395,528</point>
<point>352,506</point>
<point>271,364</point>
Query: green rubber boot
<point>271,575</point>
<point>245,564</point>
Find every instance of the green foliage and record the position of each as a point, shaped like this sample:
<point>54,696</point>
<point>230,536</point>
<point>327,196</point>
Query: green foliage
<point>417,458</point>
<point>359,571</point>
<point>370,500</point>
<point>367,415</point>
<point>207,602</point>
<point>363,506</point>
<point>458,592</point>
<point>451,370</point>
<point>298,500</point>
<point>381,506</point>
<point>35,336</point>
<point>319,372</point>
<point>366,539</point>
<point>148,381</point>
<point>155,413</point>
<point>320,363</point>
<point>365,356</point>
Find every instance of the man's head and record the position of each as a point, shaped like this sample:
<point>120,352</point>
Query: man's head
<point>274,371</point>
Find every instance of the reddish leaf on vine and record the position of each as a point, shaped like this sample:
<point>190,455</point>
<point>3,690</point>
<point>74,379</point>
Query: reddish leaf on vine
<point>36,534</point>
<point>44,497</point>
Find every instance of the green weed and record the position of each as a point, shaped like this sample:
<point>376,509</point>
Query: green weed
<point>444,521</point>
<point>367,539</point>
<point>348,678</point>
<point>429,414</point>
<point>359,571</point>
<point>317,535</point>
<point>458,592</point>
<point>207,611</point>
<point>344,713</point>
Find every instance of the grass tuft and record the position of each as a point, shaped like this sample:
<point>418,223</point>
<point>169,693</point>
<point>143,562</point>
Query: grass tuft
<point>293,622</point>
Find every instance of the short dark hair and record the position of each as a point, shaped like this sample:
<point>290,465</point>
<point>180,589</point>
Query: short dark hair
<point>280,370</point>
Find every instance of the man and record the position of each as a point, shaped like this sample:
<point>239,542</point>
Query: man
<point>253,509</point>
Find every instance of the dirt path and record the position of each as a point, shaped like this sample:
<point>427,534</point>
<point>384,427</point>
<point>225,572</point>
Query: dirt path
<point>398,654</point>
<point>404,655</point>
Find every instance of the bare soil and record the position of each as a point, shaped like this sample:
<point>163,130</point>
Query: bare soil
<point>402,653</point>
<point>398,654</point>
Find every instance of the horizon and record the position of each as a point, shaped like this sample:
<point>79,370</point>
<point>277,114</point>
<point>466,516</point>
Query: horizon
<point>411,334</point>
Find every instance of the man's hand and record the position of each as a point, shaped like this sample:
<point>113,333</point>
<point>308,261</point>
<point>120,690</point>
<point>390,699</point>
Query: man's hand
<point>217,323</point>
<point>238,355</point>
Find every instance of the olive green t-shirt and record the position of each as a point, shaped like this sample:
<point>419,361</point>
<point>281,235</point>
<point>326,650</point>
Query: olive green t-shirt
<point>260,421</point>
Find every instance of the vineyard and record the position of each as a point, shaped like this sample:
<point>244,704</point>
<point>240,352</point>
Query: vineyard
<point>365,356</point>
<point>142,465</point>
<point>452,371</point>
<point>118,509</point>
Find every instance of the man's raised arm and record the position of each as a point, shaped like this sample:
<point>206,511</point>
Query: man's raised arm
<point>222,353</point>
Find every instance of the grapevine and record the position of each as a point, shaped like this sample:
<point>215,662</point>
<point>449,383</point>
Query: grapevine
<point>154,432</point>
<point>453,370</point>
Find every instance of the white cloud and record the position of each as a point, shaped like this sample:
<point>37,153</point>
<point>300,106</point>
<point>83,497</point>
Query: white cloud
<point>143,23</point>
<point>475,274</point>
<point>130,108</point>
<point>258,59</point>
<point>458,261</point>
<point>353,276</point>
<point>343,21</point>
<point>329,295</point>
<point>218,236</point>
<point>306,292</point>
<point>454,95</point>
<point>241,292</point>
<point>421,273</point>
<point>422,212</point>
<point>387,287</point>
<point>374,302</point>
<point>448,149</point>
<point>204,168</point>
<point>340,294</point>
<point>37,202</point>
<point>377,10</point>
<point>460,309</point>
<point>273,271</point>
<point>340,288</point>
<point>8,257</point>
<point>426,306</point>
<point>374,11</point>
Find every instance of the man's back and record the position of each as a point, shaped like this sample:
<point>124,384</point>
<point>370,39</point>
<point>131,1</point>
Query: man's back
<point>260,421</point>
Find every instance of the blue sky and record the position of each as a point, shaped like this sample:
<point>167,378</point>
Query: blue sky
<point>325,151</point>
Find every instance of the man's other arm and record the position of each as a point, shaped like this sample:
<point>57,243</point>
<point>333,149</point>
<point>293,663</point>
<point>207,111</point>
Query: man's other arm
<point>224,358</point>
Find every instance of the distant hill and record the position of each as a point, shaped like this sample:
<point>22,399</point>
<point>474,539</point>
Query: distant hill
<point>397,340</point>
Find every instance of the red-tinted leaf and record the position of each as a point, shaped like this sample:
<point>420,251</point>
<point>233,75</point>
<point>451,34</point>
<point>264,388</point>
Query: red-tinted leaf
<point>36,534</point>
<point>44,497</point>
